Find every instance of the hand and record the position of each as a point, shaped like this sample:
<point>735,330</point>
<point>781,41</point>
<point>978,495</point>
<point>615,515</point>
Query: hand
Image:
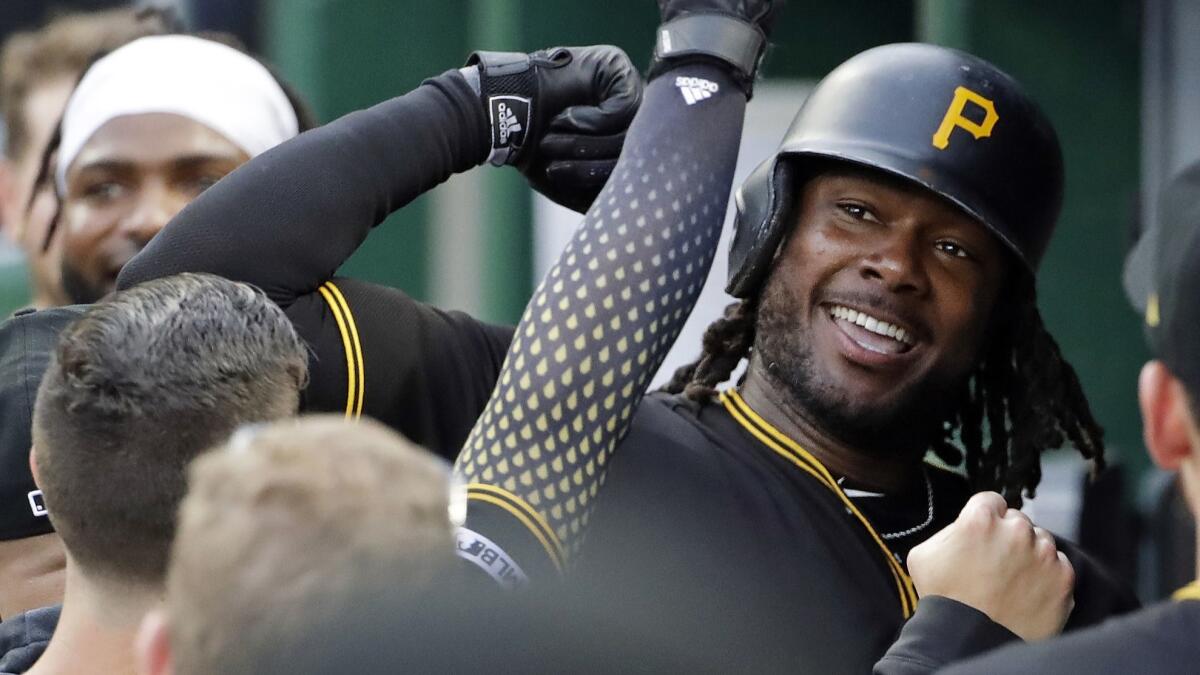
<point>995,560</point>
<point>560,116</point>
<point>599,92</point>
<point>732,33</point>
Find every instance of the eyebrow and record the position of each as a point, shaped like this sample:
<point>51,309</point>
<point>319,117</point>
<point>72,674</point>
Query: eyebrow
<point>184,162</point>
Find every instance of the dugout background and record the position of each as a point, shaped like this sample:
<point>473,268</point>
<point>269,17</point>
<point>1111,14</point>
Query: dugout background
<point>469,244</point>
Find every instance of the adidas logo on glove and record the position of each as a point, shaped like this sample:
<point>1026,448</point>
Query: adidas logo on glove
<point>510,119</point>
<point>695,89</point>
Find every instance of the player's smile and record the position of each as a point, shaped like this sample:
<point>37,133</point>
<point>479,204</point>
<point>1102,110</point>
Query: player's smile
<point>871,337</point>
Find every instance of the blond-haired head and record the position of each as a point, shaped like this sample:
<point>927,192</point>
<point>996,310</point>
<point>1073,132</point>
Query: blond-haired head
<point>286,525</point>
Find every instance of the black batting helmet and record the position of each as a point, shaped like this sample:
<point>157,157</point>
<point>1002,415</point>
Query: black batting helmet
<point>948,121</point>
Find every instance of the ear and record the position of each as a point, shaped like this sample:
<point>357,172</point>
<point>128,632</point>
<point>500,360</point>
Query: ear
<point>8,209</point>
<point>152,646</point>
<point>1165,416</point>
<point>33,468</point>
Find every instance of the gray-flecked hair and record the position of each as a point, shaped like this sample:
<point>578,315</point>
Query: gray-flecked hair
<point>145,381</point>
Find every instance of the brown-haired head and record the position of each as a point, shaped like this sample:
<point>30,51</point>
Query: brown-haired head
<point>143,383</point>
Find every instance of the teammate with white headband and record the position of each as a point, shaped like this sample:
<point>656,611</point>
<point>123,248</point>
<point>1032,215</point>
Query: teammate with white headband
<point>148,128</point>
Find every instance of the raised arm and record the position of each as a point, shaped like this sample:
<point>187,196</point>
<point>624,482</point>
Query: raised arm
<point>288,219</point>
<point>602,320</point>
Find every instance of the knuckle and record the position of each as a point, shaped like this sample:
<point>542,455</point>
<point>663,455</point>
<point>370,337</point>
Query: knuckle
<point>988,501</point>
<point>1068,576</point>
<point>916,559</point>
<point>977,523</point>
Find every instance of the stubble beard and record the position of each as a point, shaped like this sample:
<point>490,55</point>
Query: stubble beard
<point>907,424</point>
<point>77,288</point>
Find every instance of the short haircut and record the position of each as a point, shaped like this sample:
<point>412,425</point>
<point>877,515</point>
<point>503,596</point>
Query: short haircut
<point>293,525</point>
<point>141,384</point>
<point>62,48</point>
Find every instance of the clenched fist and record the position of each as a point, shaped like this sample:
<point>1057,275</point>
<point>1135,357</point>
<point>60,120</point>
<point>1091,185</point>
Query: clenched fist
<point>995,560</point>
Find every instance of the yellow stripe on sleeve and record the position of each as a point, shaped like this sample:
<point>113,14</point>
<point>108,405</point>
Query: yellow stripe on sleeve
<point>1189,592</point>
<point>358,352</point>
<point>525,514</point>
<point>351,385</point>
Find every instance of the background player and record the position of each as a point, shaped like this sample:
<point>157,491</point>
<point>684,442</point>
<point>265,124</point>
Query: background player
<point>38,70</point>
<point>136,388</point>
<point>32,560</point>
<point>139,138</point>
<point>150,126</point>
<point>290,526</point>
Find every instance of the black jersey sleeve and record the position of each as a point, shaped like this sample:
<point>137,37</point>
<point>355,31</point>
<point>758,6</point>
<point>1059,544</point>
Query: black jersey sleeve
<point>599,325</point>
<point>940,632</point>
<point>285,222</point>
<point>1160,639</point>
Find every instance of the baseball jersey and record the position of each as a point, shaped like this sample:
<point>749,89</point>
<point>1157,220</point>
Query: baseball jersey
<point>725,524</point>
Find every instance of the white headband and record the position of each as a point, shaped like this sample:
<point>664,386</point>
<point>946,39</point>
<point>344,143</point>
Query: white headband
<point>215,85</point>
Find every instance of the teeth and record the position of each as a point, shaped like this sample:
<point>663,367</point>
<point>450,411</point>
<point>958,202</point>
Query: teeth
<point>871,323</point>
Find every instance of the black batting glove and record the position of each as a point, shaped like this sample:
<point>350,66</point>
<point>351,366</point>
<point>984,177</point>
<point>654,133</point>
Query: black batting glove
<point>732,33</point>
<point>559,115</point>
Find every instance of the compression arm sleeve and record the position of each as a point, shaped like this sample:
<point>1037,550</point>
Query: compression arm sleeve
<point>598,327</point>
<point>287,219</point>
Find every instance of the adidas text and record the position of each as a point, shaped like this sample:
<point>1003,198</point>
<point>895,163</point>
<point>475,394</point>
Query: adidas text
<point>695,89</point>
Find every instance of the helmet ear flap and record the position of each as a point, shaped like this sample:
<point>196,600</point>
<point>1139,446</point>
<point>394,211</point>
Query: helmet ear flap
<point>763,203</point>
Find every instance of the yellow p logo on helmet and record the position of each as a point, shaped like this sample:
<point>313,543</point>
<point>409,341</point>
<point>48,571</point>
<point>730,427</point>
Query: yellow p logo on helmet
<point>954,117</point>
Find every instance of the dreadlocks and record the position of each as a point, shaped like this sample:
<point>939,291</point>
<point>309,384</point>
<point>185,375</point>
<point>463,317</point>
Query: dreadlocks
<point>1023,398</point>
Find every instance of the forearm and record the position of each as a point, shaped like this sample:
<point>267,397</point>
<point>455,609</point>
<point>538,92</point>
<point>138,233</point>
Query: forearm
<point>604,317</point>
<point>286,220</point>
<point>941,632</point>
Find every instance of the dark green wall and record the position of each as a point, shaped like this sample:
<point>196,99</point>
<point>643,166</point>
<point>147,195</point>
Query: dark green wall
<point>811,37</point>
<point>349,54</point>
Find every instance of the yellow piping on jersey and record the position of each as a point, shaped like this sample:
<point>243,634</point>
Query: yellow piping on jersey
<point>350,345</point>
<point>358,353</point>
<point>525,514</point>
<point>1189,592</point>
<point>777,441</point>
